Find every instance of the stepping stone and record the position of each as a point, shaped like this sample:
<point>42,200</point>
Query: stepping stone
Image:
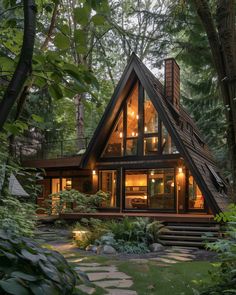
<point>96,268</point>
<point>179,258</point>
<point>97,276</point>
<point>114,283</point>
<point>90,264</point>
<point>180,254</point>
<point>120,292</point>
<point>74,260</point>
<point>86,289</point>
<point>139,260</point>
<point>162,259</point>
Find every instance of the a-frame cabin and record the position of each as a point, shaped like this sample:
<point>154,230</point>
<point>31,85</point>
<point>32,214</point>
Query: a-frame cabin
<point>146,152</point>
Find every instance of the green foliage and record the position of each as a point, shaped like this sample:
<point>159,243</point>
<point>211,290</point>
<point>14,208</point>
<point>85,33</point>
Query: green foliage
<point>16,217</point>
<point>26,268</point>
<point>223,278</point>
<point>74,201</point>
<point>129,235</point>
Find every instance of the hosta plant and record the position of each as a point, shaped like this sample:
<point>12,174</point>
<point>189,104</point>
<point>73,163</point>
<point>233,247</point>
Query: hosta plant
<point>26,268</point>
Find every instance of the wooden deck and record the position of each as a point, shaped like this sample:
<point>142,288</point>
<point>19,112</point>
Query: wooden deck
<point>168,217</point>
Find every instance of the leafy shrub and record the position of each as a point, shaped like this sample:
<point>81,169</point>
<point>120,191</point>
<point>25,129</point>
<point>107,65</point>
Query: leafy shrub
<point>94,229</point>
<point>75,201</point>
<point>129,235</point>
<point>131,247</point>
<point>224,276</point>
<point>26,268</point>
<point>16,217</point>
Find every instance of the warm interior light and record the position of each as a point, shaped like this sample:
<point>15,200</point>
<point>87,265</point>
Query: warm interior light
<point>180,169</point>
<point>132,133</point>
<point>145,128</point>
<point>94,172</point>
<point>152,172</point>
<point>121,134</point>
<point>78,235</point>
<point>136,134</point>
<point>145,197</point>
<point>172,184</point>
<point>68,182</point>
<point>153,180</point>
<point>132,114</point>
<point>137,117</point>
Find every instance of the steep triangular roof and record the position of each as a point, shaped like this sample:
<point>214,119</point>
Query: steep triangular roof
<point>187,140</point>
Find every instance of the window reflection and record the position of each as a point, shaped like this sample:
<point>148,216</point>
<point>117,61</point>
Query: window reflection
<point>150,145</point>
<point>107,183</point>
<point>196,199</point>
<point>168,147</point>
<point>150,189</point>
<point>136,190</point>
<point>132,113</point>
<point>150,116</point>
<point>161,188</point>
<point>131,147</point>
<point>114,146</point>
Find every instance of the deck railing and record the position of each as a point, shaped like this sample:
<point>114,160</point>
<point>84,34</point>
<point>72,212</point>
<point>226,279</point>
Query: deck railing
<point>52,149</point>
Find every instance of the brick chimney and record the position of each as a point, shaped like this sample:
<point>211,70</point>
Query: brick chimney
<point>172,82</point>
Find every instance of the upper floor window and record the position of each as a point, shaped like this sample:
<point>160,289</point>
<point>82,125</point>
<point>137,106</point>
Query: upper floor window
<point>139,130</point>
<point>114,147</point>
<point>132,122</point>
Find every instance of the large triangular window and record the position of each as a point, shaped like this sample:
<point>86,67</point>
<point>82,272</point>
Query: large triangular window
<point>138,130</point>
<point>114,147</point>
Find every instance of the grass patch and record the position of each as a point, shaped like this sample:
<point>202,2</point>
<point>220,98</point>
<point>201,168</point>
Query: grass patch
<point>179,279</point>
<point>153,279</point>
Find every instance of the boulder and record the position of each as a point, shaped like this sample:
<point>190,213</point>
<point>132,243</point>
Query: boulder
<point>106,249</point>
<point>92,248</point>
<point>156,247</point>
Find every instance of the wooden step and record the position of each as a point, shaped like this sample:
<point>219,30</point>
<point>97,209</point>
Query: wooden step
<point>193,228</point>
<point>187,238</point>
<point>191,233</point>
<point>184,243</point>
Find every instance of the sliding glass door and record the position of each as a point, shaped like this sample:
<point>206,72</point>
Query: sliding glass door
<point>150,189</point>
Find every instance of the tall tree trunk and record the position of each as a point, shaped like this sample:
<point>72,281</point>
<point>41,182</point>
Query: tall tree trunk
<point>79,108</point>
<point>23,68</point>
<point>221,39</point>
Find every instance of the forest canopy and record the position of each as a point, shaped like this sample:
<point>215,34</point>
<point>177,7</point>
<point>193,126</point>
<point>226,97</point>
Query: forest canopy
<point>80,49</point>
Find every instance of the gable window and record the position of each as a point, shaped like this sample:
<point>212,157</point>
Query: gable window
<point>168,147</point>
<point>114,147</point>
<point>132,120</point>
<point>138,130</point>
<point>150,127</point>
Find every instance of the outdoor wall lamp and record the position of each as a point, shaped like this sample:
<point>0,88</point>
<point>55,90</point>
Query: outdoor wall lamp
<point>180,170</point>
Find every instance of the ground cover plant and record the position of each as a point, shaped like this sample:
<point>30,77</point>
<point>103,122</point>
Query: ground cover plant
<point>128,235</point>
<point>16,217</point>
<point>26,268</point>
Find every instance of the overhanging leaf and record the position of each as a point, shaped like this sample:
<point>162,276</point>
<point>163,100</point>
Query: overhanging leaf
<point>62,41</point>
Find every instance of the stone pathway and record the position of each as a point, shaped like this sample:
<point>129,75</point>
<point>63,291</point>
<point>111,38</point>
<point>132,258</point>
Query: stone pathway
<point>114,282</point>
<point>108,278</point>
